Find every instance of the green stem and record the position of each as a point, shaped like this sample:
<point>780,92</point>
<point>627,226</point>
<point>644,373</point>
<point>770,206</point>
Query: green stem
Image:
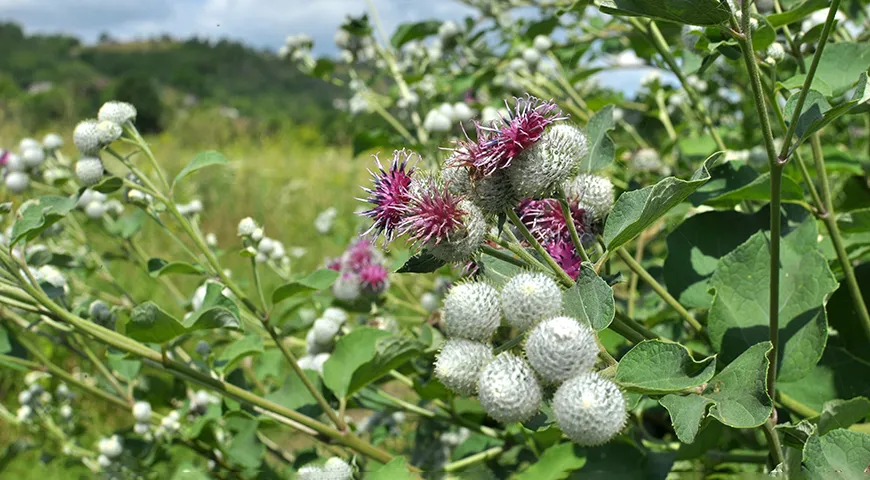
<point>776,169</point>
<point>259,285</point>
<point>569,220</point>
<point>837,239</point>
<point>622,328</point>
<point>632,282</point>
<point>659,289</point>
<point>773,442</point>
<point>496,253</point>
<point>103,370</point>
<point>514,247</point>
<point>808,81</point>
<point>564,278</point>
<point>472,459</point>
<point>795,406</point>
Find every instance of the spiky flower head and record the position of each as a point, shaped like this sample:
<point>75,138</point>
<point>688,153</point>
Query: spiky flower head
<point>450,227</point>
<point>776,52</point>
<point>508,389</point>
<point>461,245</point>
<point>52,141</point>
<point>247,226</point>
<point>28,143</point>
<point>593,193</point>
<point>456,179</point>
<point>118,113</point>
<point>86,138</point>
<point>89,171</point>
<point>17,182</point>
<point>528,298</point>
<point>546,221</point>
<point>494,194</point>
<point>471,310</point>
<point>111,447</point>
<point>108,132</point>
<point>347,287</point>
<point>646,160</point>
<point>142,411</point>
<point>12,162</point>
<point>560,347</point>
<point>310,472</point>
<point>390,193</point>
<point>337,469</point>
<point>566,255</point>
<point>551,160</point>
<point>374,279</point>
<point>459,364</point>
<point>33,157</point>
<point>335,314</point>
<point>359,254</point>
<point>589,409</point>
<point>542,43</point>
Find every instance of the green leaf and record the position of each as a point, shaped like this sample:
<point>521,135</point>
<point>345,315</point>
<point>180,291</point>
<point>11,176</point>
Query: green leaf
<point>843,317</point>
<point>840,65</point>
<point>816,123</point>
<point>764,35</point>
<point>390,353</point>
<point>317,280</point>
<point>125,367</point>
<point>200,160</point>
<point>737,396</point>
<point>590,300</point>
<point>149,323</point>
<point>245,448</point>
<point>813,111</point>
<point>351,352</point>
<point>841,454</point>
<point>838,375</point>
<point>396,469</point>
<point>293,393</point>
<point>656,367</point>
<point>236,351</point>
<point>39,214</point>
<point>423,262</point>
<point>407,32</point>
<point>497,271</point>
<point>600,151</point>
<point>5,345</point>
<point>158,267</point>
<point>843,413</point>
<point>636,210</point>
<point>129,224</point>
<point>739,316</point>
<point>759,189</point>
<point>212,414</point>
<point>541,27</point>
<point>692,12</point>
<point>556,463</point>
<point>696,246</point>
<point>108,185</point>
<point>797,13</point>
<point>856,221</point>
<point>217,311</point>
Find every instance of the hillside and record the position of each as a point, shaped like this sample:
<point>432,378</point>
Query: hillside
<point>169,72</point>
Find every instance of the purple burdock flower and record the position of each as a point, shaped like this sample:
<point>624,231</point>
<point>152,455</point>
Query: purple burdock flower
<point>564,253</point>
<point>359,254</point>
<point>390,194</point>
<point>433,215</point>
<point>374,279</point>
<point>544,218</point>
<point>334,264</point>
<point>4,157</point>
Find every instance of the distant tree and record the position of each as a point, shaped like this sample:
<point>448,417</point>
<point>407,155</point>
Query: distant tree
<point>141,92</point>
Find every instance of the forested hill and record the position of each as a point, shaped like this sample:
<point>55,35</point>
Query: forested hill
<point>57,77</point>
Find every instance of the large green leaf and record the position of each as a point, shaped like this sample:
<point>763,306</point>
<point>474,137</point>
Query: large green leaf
<point>636,210</point>
<point>656,367</point>
<point>39,214</point>
<point>844,318</point>
<point>692,12</point>
<point>797,13</point>
<point>817,113</point>
<point>840,65</point>
<point>697,244</point>
<point>739,316</point>
<point>236,351</point>
<point>217,311</point>
<point>126,368</point>
<point>856,221</point>
<point>556,463</point>
<point>200,161</point>
<point>396,469</point>
<point>293,394</point>
<point>759,190</point>
<point>351,352</point>
<point>590,300</point>
<point>317,280</point>
<point>737,396</point>
<point>600,152</point>
<point>149,323</point>
<point>838,375</point>
<point>390,353</point>
<point>843,413</point>
<point>245,447</point>
<point>497,271</point>
<point>841,454</point>
<point>158,267</point>
<point>423,262</point>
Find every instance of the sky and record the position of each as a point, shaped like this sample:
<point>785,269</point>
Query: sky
<point>260,23</point>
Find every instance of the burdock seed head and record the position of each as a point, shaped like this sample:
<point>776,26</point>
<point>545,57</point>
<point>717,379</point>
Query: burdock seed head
<point>459,364</point>
<point>508,389</point>
<point>589,409</point>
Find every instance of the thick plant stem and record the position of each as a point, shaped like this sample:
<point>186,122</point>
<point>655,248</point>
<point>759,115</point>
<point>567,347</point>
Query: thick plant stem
<point>181,370</point>
<point>572,228</point>
<point>104,371</point>
<point>808,81</point>
<point>471,460</point>
<point>515,247</point>
<point>638,269</point>
<point>563,277</point>
<point>496,253</point>
<point>773,442</point>
<point>622,328</point>
<point>837,239</point>
<point>776,168</point>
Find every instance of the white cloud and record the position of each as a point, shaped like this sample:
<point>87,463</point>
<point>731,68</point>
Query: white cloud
<point>262,23</point>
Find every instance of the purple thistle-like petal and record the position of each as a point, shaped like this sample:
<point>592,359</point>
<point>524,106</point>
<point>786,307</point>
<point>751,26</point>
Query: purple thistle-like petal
<point>390,194</point>
<point>564,253</point>
<point>4,158</point>
<point>434,214</point>
<point>374,278</point>
<point>544,218</point>
<point>334,264</point>
<point>359,254</point>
